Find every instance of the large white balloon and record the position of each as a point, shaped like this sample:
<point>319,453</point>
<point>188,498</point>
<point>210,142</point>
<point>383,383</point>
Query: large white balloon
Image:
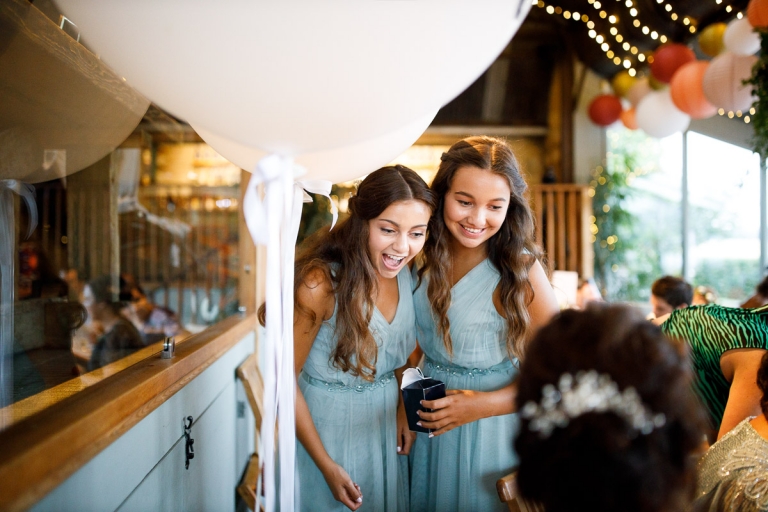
<point>293,76</point>
<point>740,38</point>
<point>335,165</point>
<point>658,116</point>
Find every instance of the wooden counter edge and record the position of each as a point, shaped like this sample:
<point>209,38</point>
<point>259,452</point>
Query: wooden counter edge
<point>40,452</point>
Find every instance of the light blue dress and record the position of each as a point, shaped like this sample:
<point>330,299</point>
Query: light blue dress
<point>458,470</point>
<point>357,419</point>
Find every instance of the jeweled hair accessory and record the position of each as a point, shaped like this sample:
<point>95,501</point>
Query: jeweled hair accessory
<point>588,392</point>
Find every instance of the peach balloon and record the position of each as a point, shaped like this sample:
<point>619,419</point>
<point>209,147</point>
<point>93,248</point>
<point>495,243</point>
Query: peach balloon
<point>629,118</point>
<point>688,93</point>
<point>638,91</point>
<point>757,13</point>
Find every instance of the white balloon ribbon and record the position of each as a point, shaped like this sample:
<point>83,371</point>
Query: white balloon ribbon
<point>274,222</point>
<point>8,188</point>
<point>321,187</point>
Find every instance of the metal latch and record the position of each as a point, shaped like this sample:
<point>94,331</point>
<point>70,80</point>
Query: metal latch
<point>189,449</point>
<point>169,348</point>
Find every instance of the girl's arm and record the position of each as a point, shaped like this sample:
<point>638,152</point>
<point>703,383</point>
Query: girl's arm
<point>405,437</point>
<point>739,366</point>
<point>316,294</point>
<point>461,406</point>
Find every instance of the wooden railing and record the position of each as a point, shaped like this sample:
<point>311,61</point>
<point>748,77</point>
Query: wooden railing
<point>562,213</point>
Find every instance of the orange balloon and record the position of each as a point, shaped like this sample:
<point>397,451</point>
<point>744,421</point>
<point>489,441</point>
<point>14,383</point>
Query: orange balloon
<point>757,13</point>
<point>629,119</point>
<point>687,91</point>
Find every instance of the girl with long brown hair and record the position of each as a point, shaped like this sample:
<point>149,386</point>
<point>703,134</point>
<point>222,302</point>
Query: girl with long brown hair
<point>354,328</point>
<point>482,292</point>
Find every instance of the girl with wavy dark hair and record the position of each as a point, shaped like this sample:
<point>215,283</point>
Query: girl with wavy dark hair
<point>354,328</point>
<point>482,291</point>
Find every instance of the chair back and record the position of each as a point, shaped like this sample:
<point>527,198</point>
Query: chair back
<point>250,375</point>
<point>507,488</point>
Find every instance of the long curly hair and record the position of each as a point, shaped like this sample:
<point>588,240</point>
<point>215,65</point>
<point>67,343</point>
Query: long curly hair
<point>342,255</point>
<point>512,250</point>
<point>599,461</point>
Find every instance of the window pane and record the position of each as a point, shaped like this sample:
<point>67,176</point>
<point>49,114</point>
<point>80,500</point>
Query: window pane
<point>637,214</point>
<point>724,197</point>
<point>137,219</point>
<point>137,247</point>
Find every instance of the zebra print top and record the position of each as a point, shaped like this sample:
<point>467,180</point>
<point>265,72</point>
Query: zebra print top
<point>711,331</point>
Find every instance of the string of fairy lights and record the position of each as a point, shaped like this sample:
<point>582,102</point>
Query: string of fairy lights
<point>631,53</point>
<point>625,55</point>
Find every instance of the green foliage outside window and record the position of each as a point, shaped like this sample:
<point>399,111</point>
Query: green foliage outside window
<point>627,252</point>
<point>638,232</point>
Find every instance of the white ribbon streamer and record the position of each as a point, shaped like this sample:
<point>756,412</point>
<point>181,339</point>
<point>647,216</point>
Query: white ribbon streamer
<point>275,223</point>
<point>7,258</point>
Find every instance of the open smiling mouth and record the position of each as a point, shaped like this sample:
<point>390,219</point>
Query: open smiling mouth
<point>392,262</point>
<point>472,231</point>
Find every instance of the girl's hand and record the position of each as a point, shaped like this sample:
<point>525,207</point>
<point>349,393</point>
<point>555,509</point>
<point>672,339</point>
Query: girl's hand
<point>459,407</point>
<point>405,437</point>
<point>343,488</point>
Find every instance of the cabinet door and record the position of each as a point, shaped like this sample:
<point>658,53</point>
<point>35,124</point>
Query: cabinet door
<point>210,481</point>
<point>144,468</point>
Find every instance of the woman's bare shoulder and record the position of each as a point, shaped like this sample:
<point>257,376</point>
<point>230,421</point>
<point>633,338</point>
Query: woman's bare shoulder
<point>316,292</point>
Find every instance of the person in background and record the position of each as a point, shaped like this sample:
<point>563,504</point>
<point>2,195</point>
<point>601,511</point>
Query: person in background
<point>760,298</point>
<point>608,419</point>
<point>587,292</point>
<point>703,295</point>
<point>733,474</point>
<point>75,284</point>
<point>725,346</point>
<point>153,322</point>
<point>482,293</point>
<point>103,301</point>
<point>670,293</point>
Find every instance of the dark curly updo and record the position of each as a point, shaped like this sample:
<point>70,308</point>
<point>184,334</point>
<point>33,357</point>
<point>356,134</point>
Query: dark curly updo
<point>598,461</point>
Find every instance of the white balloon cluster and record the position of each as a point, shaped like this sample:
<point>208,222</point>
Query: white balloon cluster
<point>343,85</point>
<point>336,165</point>
<point>718,84</point>
<point>298,76</point>
<point>658,116</point>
